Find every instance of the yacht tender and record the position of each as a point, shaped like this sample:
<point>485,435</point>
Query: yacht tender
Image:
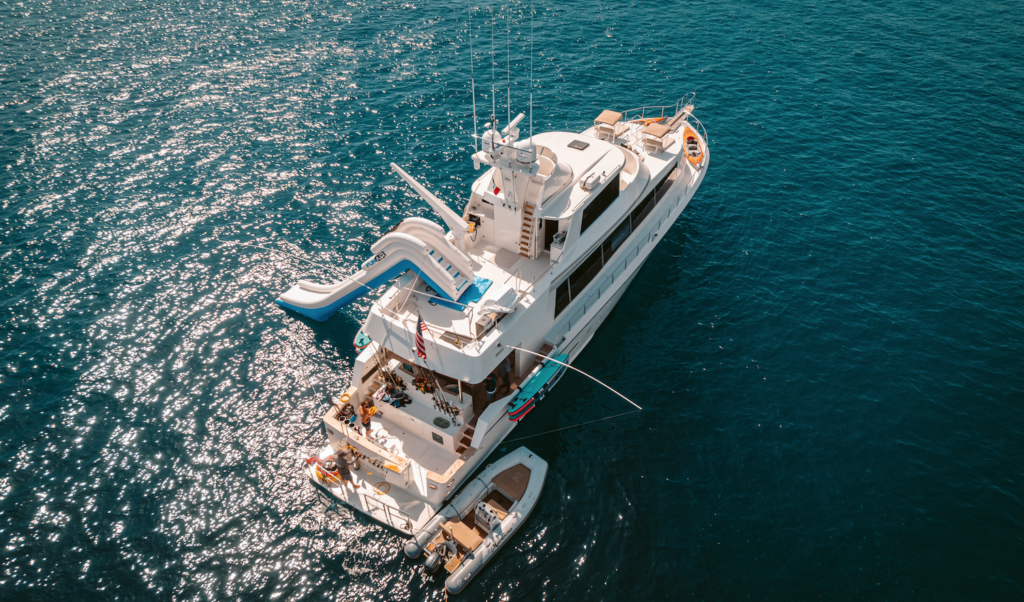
<point>552,235</point>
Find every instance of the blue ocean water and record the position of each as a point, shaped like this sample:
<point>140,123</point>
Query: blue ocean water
<point>828,343</point>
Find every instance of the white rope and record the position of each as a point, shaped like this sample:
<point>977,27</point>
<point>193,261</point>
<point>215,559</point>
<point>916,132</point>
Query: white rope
<point>576,369</point>
<point>570,427</point>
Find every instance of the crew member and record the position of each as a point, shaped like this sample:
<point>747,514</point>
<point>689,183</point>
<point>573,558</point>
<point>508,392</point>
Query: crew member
<point>344,474</point>
<point>365,414</point>
<point>491,384</point>
<point>504,373</point>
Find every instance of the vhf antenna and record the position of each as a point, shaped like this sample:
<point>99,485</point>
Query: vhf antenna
<point>531,82</point>
<point>508,62</point>
<point>472,79</point>
<point>494,106</point>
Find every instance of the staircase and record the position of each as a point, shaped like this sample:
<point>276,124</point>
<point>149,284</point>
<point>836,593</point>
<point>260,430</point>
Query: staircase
<point>467,437</point>
<point>526,231</point>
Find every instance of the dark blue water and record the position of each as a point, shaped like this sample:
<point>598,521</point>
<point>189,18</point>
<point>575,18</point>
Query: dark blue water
<point>828,343</point>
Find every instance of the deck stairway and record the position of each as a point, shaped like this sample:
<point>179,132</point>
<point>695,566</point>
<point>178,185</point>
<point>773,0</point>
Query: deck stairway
<point>526,235</point>
<point>467,436</point>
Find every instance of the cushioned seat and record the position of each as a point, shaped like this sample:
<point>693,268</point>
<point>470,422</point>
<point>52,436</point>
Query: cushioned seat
<point>607,124</point>
<point>465,535</point>
<point>657,130</point>
<point>608,118</point>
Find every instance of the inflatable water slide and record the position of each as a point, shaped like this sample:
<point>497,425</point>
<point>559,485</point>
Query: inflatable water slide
<point>414,244</point>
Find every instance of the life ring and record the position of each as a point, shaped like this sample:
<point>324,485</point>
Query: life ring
<point>373,411</point>
<point>345,397</point>
<point>382,488</point>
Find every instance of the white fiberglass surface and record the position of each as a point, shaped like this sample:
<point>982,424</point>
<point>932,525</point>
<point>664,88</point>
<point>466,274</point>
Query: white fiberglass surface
<point>400,441</point>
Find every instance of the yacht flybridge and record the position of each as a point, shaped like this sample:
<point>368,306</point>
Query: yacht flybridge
<point>480,318</point>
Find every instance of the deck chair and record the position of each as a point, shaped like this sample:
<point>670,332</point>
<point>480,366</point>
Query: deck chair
<point>606,124</point>
<point>656,137</point>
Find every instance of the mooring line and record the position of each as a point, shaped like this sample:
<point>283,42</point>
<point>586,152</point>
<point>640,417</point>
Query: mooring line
<point>576,369</point>
<point>571,427</point>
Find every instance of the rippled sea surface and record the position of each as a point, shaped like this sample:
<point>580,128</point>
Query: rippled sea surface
<point>828,344</point>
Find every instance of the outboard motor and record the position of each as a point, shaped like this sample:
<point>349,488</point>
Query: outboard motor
<point>415,546</point>
<point>433,562</point>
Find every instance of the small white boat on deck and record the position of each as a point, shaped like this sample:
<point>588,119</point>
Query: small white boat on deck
<point>466,534</point>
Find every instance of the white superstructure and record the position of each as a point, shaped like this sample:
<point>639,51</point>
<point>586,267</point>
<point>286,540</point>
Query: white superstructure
<point>553,233</point>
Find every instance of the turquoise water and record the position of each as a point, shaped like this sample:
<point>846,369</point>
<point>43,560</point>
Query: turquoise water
<point>828,343</point>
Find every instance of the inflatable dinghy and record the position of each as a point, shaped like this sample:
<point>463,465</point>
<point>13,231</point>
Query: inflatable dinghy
<point>467,533</point>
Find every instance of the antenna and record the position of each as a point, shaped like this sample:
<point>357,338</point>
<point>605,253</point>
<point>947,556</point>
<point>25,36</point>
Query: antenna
<point>508,67</point>
<point>531,79</point>
<point>472,79</point>
<point>494,106</point>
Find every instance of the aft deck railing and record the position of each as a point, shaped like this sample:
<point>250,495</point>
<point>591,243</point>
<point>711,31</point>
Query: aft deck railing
<point>658,111</point>
<point>662,112</point>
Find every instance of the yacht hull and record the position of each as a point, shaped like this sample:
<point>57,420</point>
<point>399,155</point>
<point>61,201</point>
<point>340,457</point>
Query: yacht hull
<point>406,513</point>
<point>409,509</point>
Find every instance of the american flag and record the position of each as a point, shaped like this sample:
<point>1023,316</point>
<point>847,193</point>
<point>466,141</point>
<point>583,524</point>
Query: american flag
<point>421,347</point>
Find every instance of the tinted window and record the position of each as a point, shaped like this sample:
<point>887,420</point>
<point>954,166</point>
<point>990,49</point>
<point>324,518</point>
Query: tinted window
<point>652,198</point>
<point>665,184</point>
<point>602,201</point>
<point>562,297</point>
<point>641,210</point>
<point>582,275</point>
<point>618,236</point>
<point>573,286</point>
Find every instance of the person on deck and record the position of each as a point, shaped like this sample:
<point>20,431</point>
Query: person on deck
<point>365,414</point>
<point>504,373</point>
<point>344,474</point>
<point>491,384</point>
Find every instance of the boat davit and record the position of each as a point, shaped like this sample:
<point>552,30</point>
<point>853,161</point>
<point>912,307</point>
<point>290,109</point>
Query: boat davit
<point>467,533</point>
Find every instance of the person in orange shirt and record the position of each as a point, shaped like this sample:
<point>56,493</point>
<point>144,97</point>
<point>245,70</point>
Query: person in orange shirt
<point>365,413</point>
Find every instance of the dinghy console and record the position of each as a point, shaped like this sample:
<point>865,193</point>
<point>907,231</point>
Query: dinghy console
<point>486,516</point>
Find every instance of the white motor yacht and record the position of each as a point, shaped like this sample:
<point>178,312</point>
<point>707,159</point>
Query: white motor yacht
<point>479,317</point>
